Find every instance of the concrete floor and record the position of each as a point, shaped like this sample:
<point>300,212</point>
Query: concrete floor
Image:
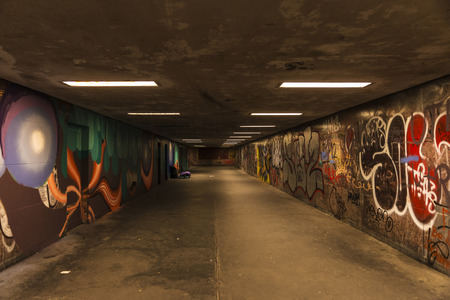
<point>220,235</point>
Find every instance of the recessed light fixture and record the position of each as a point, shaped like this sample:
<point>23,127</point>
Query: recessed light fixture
<point>154,113</point>
<point>247,132</point>
<point>109,83</point>
<point>200,146</point>
<point>240,136</point>
<point>277,114</point>
<point>324,85</point>
<point>258,126</point>
<point>192,141</point>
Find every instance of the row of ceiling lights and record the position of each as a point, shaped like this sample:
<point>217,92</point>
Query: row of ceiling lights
<point>237,137</point>
<point>154,84</point>
<point>241,136</point>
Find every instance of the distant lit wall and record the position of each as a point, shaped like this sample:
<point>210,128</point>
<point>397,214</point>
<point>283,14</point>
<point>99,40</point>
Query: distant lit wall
<point>213,156</point>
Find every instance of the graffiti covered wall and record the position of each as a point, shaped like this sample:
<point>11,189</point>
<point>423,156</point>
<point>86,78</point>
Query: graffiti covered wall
<point>383,167</point>
<point>61,166</point>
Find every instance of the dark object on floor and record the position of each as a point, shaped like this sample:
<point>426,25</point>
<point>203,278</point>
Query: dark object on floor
<point>174,173</point>
<point>185,174</point>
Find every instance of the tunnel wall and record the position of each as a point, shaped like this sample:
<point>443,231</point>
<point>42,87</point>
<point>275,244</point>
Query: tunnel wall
<point>213,156</point>
<point>382,167</point>
<point>62,166</point>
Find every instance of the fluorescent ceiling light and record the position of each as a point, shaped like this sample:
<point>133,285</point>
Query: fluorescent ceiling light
<point>230,143</point>
<point>257,126</point>
<point>240,136</point>
<point>277,114</point>
<point>110,83</point>
<point>247,132</point>
<point>154,114</point>
<point>324,84</point>
<point>200,146</point>
<point>192,141</point>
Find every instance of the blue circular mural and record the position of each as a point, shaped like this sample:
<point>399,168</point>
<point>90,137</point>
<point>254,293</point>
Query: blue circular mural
<point>29,138</point>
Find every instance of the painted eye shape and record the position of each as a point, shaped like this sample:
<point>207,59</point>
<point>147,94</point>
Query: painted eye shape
<point>29,140</point>
<point>47,197</point>
<point>146,156</point>
<point>4,224</point>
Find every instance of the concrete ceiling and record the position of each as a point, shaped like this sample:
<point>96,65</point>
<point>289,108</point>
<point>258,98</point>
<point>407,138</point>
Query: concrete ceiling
<point>217,61</point>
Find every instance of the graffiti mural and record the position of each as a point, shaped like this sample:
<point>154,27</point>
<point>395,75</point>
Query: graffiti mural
<point>263,159</point>
<point>437,244</point>
<point>404,178</point>
<point>60,166</point>
<point>383,167</point>
<point>147,161</point>
<point>276,162</point>
<point>300,164</point>
<point>249,158</point>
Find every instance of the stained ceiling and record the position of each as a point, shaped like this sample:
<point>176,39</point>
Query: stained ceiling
<point>218,61</point>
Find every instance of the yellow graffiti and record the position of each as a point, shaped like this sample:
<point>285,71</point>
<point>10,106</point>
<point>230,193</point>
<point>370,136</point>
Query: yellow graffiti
<point>360,185</point>
<point>343,168</point>
<point>261,167</point>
